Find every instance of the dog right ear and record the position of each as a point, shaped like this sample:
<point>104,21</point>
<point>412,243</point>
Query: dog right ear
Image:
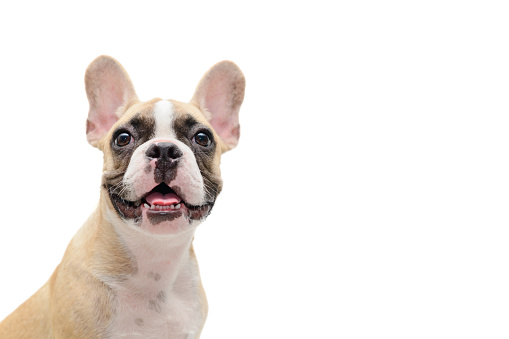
<point>108,88</point>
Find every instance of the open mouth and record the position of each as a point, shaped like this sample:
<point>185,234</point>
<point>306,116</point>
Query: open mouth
<point>162,198</point>
<point>160,204</point>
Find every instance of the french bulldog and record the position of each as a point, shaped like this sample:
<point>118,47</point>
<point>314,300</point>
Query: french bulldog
<point>130,271</point>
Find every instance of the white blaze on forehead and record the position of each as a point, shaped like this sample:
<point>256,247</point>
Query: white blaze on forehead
<point>163,114</point>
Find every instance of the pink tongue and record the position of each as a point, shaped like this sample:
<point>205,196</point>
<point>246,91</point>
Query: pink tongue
<point>157,198</point>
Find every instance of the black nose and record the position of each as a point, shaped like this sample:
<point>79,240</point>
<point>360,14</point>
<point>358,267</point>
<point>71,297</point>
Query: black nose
<point>165,151</point>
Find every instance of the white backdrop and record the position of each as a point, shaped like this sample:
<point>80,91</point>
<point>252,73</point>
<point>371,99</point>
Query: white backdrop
<point>368,195</point>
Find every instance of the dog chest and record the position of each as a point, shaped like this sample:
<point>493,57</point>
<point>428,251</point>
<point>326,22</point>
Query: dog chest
<point>156,311</point>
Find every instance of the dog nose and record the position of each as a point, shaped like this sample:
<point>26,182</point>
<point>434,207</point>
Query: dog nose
<point>165,151</point>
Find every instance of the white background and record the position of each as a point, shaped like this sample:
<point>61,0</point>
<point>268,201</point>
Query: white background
<point>368,196</point>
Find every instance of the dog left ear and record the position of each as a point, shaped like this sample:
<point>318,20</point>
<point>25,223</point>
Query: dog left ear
<point>108,88</point>
<point>219,95</point>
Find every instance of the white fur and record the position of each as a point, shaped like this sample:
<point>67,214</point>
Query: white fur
<point>163,114</point>
<point>164,293</point>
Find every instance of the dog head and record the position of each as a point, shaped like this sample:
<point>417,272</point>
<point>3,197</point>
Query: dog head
<point>161,157</point>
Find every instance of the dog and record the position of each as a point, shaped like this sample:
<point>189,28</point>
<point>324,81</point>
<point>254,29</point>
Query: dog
<point>130,271</point>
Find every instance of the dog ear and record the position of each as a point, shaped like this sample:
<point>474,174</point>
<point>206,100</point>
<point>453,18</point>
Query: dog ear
<point>219,95</point>
<point>108,88</point>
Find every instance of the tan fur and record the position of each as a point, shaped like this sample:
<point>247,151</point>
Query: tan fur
<point>74,286</point>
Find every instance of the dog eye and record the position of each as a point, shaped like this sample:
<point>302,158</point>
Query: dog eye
<point>202,139</point>
<point>123,139</point>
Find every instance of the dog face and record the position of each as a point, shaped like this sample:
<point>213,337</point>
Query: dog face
<point>161,158</point>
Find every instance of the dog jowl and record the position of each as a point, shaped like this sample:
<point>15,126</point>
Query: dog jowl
<point>130,271</point>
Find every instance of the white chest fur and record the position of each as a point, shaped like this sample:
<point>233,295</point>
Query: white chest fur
<point>162,300</point>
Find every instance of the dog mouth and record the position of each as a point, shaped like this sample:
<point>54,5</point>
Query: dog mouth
<point>162,203</point>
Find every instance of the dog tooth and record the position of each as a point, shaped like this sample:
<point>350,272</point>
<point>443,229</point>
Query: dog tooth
<point>146,206</point>
<point>178,206</point>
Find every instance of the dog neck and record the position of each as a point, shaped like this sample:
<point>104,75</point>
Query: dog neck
<point>144,260</point>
